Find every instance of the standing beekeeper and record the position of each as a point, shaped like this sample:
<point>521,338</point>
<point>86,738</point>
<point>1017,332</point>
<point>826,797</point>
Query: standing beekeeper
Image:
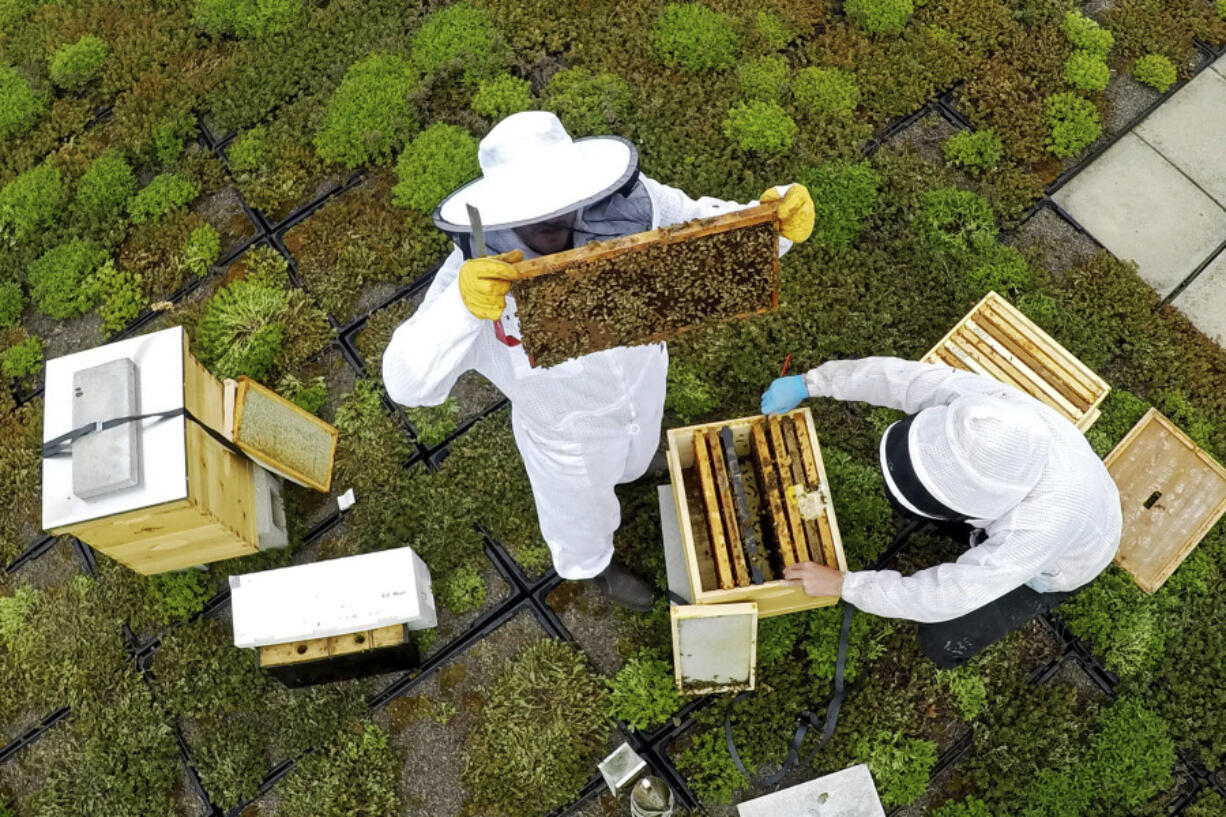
<point>590,423</point>
<point>1043,511</point>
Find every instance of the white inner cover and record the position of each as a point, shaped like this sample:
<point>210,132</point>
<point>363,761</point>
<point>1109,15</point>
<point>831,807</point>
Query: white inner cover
<point>847,793</point>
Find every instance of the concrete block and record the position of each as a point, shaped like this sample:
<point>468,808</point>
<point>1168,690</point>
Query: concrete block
<point>1189,130</point>
<point>1204,301</point>
<point>1140,207</point>
<point>108,460</point>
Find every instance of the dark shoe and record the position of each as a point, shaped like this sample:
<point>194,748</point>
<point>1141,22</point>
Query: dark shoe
<point>625,589</point>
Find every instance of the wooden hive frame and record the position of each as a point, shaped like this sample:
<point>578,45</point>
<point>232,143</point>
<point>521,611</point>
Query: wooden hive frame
<point>997,340</point>
<point>215,521</point>
<point>1171,493</point>
<point>712,583</point>
<point>244,385</point>
<point>618,247</point>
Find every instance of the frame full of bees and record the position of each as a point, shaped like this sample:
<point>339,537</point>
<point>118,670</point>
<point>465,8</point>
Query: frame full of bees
<point>752,498</point>
<point>650,286</point>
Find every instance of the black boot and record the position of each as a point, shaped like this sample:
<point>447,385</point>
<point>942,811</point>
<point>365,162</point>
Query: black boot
<point>625,589</point>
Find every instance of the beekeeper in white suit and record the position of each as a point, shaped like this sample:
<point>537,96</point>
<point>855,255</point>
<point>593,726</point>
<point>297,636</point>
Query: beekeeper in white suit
<point>590,423</point>
<point>976,451</point>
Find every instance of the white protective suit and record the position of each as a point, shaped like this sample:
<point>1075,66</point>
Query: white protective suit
<point>582,427</point>
<point>1061,535</point>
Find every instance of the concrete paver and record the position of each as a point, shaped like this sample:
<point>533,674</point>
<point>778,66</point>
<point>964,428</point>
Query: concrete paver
<point>1142,208</point>
<point>1189,130</point>
<point>1204,301</point>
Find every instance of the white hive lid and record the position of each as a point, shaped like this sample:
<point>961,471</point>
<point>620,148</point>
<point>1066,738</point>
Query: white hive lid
<point>163,454</point>
<point>334,597</point>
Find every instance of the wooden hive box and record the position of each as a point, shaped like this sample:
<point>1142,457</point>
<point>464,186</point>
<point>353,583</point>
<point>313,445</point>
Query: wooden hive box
<point>791,526</point>
<point>195,502</point>
<point>997,340</point>
<point>648,287</point>
<point>1171,493</point>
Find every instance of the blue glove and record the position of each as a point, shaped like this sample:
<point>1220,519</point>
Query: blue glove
<point>785,394</point>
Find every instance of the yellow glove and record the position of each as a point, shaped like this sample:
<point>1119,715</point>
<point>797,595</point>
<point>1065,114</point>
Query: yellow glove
<point>795,212</point>
<point>485,282</point>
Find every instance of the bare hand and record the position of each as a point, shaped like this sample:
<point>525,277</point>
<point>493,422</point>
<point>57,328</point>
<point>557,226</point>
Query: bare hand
<point>817,580</point>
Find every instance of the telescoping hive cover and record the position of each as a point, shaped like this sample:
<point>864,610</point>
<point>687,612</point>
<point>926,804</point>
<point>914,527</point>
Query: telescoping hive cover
<point>715,646</point>
<point>847,793</point>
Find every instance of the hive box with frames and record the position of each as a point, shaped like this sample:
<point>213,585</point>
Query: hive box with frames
<point>748,498</point>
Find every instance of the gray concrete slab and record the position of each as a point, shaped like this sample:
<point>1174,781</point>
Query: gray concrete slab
<point>1142,208</point>
<point>1204,301</point>
<point>1220,65</point>
<point>1189,129</point>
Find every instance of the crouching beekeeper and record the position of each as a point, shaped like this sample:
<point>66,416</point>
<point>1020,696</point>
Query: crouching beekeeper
<point>590,423</point>
<point>1043,512</point>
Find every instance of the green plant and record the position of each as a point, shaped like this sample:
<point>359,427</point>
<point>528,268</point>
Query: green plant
<point>12,302</point>
<point>952,220</point>
<point>866,642</point>
<point>1220,7</point>
<point>1086,34</point>
<point>20,106</point>
<point>460,34</point>
<point>169,134</point>
<point>688,394</point>
<point>310,397</point>
<point>202,249</point>
<point>999,268</point>
<point>165,193</point>
<point>541,729</point>
<point>1072,123</point>
<point>60,278</point>
<point>123,296</point>
<point>23,359</point>
<point>1120,412</point>
<point>74,64</point>
<point>866,519</point>
<point>369,115</point>
<point>502,96</point>
<point>589,103</point>
<point>764,78</point>
<point>14,610</point>
<point>1208,803</point>
<point>643,693</point>
<point>461,589</point>
<point>106,185</point>
<point>970,807</point>
<point>436,162</point>
<point>1087,71</point>
<point>230,760</point>
<point>695,37</point>
<point>1156,71</point>
<point>242,330</point>
<point>30,202</point>
<point>772,30</point>
<point>844,195</point>
<point>245,18</point>
<point>777,638</point>
<point>900,766</point>
<point>182,593</point>
<point>969,690</point>
<point>974,151</point>
<point>880,16</point>
<point>760,127</point>
<point>826,90</point>
<point>709,769</point>
<point>355,776</point>
<point>434,423</point>
<point>250,151</point>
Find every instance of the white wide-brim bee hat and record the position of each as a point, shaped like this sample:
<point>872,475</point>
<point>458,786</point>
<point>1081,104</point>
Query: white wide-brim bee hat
<point>532,171</point>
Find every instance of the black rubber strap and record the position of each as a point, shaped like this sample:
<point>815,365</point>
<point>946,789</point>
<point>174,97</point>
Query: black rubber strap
<point>61,446</point>
<point>806,719</point>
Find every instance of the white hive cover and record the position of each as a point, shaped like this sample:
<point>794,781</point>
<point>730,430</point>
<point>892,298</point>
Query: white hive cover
<point>334,597</point>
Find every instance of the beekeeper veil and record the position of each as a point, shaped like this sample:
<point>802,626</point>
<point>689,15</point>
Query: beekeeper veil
<point>974,458</point>
<point>533,171</point>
